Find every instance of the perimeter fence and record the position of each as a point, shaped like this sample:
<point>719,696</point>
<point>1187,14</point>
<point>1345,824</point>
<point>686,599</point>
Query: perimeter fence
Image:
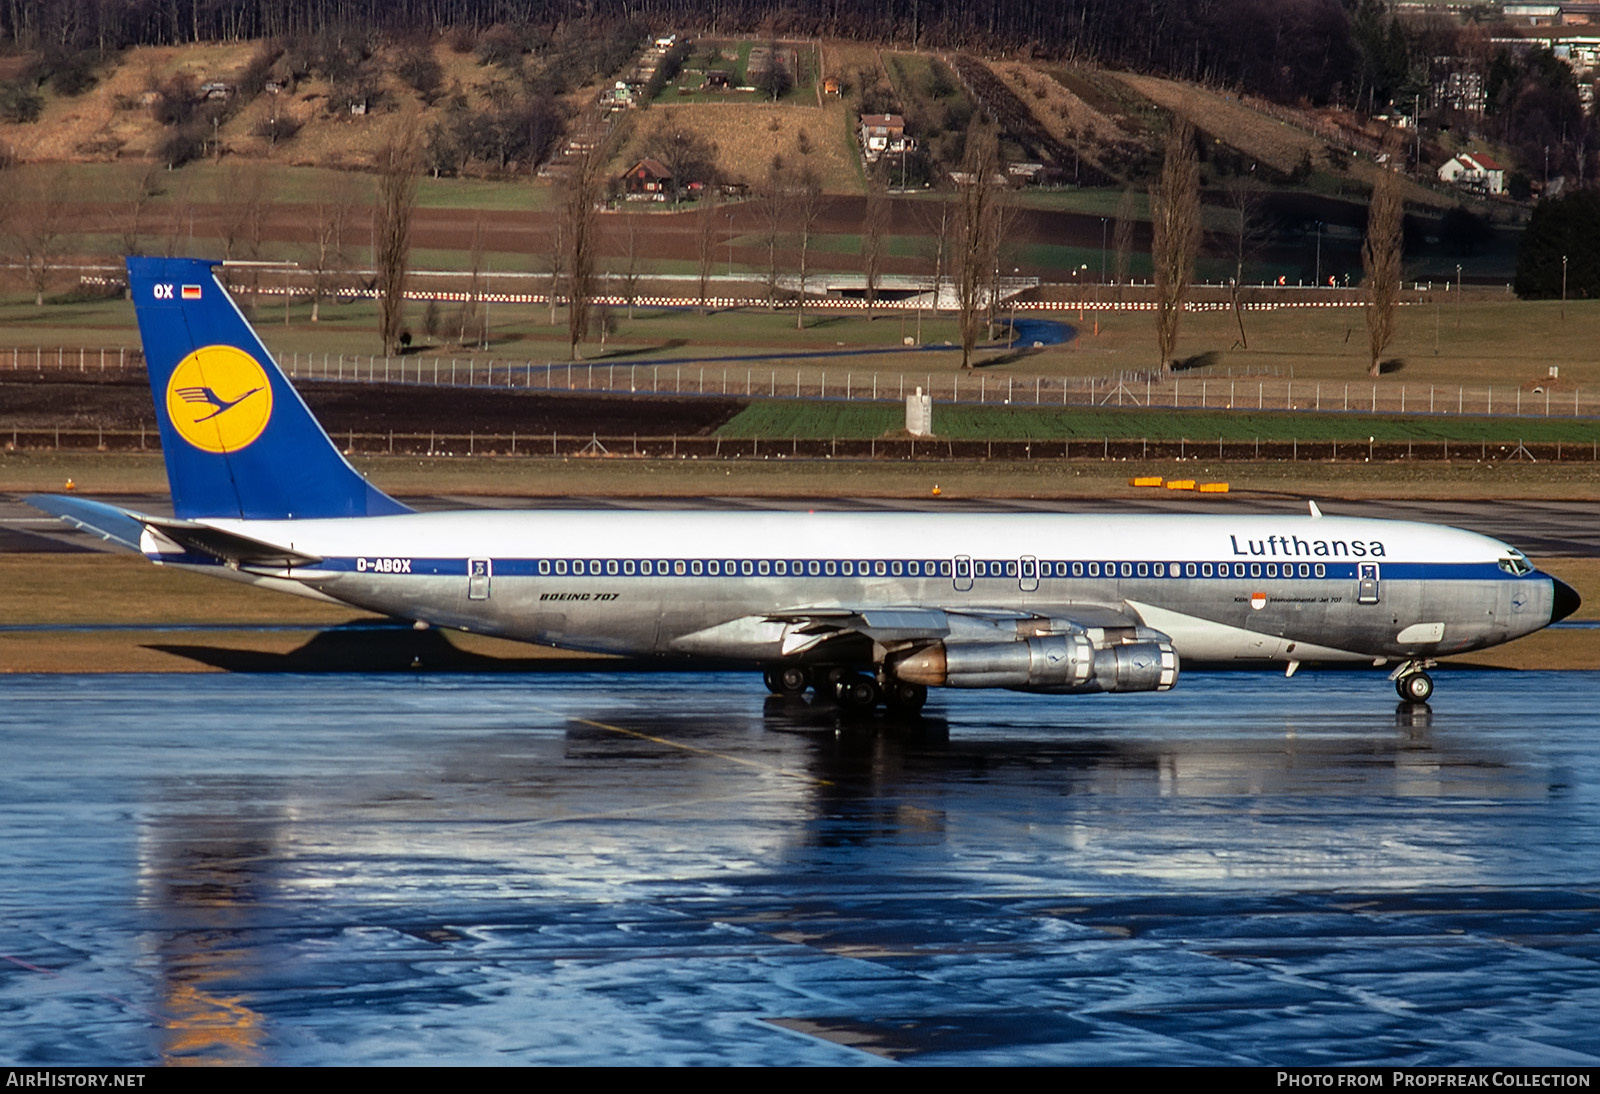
<point>748,378</point>
<point>684,447</point>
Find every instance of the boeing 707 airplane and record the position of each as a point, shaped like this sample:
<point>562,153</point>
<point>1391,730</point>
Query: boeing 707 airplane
<point>868,608</point>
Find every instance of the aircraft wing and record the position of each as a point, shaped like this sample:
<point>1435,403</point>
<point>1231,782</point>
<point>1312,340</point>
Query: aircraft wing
<point>806,628</point>
<point>128,528</point>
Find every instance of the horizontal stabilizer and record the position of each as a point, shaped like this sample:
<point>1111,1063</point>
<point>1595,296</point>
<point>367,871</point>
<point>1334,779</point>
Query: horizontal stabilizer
<point>95,517</point>
<point>126,527</point>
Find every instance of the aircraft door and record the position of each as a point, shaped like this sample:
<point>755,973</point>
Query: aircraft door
<point>1028,573</point>
<point>479,571</point>
<point>1366,583</point>
<point>961,573</point>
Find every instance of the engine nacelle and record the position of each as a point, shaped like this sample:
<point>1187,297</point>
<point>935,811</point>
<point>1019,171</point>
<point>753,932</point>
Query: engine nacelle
<point>1060,663</point>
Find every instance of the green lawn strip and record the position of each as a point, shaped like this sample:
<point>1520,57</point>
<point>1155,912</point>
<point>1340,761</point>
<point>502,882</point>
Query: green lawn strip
<point>816,420</point>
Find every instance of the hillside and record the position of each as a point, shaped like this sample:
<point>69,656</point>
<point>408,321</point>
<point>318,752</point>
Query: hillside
<point>476,111</point>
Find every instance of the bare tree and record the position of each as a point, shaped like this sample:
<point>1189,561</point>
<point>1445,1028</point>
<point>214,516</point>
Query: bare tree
<point>555,260</point>
<point>180,216</point>
<point>255,204</point>
<point>228,194</point>
<point>772,203</point>
<point>1002,225</point>
<point>1244,205</point>
<point>585,188</point>
<point>398,162</point>
<point>1175,227</point>
<point>40,221</point>
<point>1122,239</point>
<point>976,225</point>
<point>874,226</point>
<point>470,324</point>
<point>938,218</point>
<point>132,211</point>
<point>705,238</point>
<point>806,200</point>
<point>326,257</point>
<point>1380,258</point>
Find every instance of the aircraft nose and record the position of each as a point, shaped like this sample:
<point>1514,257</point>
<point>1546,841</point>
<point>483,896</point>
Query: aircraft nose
<point>1564,600</point>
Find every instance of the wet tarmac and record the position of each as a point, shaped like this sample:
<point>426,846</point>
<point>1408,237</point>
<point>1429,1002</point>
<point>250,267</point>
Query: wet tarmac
<point>660,868</point>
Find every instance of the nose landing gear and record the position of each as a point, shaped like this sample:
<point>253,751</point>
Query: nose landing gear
<point>1412,681</point>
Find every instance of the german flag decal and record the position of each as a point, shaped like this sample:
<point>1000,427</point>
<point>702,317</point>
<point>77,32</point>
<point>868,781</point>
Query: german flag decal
<point>191,292</point>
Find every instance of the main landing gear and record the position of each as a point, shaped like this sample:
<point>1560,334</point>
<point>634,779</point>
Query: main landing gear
<point>855,692</point>
<point>1412,681</point>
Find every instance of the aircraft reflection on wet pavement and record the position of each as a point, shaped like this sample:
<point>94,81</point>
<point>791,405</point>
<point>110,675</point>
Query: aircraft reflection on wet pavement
<point>569,867</point>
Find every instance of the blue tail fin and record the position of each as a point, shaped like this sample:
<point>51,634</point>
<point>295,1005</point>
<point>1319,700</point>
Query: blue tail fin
<point>238,440</point>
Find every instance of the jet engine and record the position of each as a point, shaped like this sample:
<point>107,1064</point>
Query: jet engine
<point>1055,663</point>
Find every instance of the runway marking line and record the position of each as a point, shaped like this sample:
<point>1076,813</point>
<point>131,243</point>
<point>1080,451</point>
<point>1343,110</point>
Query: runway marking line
<point>785,772</point>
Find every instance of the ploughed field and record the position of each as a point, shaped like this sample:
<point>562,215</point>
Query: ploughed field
<point>122,403</point>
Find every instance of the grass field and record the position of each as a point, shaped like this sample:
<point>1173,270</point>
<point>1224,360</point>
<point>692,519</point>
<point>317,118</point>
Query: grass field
<point>100,474</point>
<point>813,420</point>
<point>1478,337</point>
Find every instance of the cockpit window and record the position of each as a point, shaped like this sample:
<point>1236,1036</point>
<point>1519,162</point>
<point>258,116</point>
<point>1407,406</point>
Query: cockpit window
<point>1516,564</point>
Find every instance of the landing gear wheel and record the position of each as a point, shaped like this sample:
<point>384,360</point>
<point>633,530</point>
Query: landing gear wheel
<point>904,698</point>
<point>786,679</point>
<point>1415,687</point>
<point>858,693</point>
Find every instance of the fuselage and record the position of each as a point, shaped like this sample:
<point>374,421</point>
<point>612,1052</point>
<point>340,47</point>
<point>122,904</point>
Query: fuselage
<point>1224,588</point>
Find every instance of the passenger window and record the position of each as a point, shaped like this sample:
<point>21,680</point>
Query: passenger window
<point>611,567</point>
<point>544,566</point>
<point>746,567</point>
<point>1144,569</point>
<point>879,568</point>
<point>830,567</point>
<point>1127,569</point>
<point>714,568</point>
<point>677,567</point>
<point>645,567</point>
<point>763,568</point>
<point>696,567</point>
<point>895,568</point>
<point>1077,569</point>
<point>1189,570</point>
<point>1272,569</point>
<point>1322,571</point>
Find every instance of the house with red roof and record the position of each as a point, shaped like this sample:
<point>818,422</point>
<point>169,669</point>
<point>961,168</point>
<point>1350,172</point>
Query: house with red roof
<point>1474,171</point>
